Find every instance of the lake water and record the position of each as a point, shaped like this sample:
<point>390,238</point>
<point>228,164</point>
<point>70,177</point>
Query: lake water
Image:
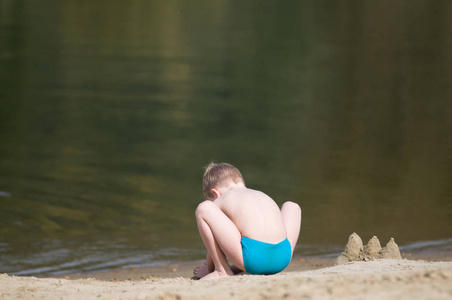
<point>109,111</point>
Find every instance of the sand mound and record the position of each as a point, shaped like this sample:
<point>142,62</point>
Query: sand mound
<point>355,251</point>
<point>372,249</point>
<point>391,250</point>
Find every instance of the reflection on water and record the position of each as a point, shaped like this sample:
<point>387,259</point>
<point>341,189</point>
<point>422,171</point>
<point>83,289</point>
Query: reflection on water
<point>109,112</point>
<point>55,257</point>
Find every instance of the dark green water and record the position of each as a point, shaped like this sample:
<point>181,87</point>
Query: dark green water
<point>109,111</point>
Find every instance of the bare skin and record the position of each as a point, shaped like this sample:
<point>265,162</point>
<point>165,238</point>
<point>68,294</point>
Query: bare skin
<point>235,212</point>
<point>203,269</point>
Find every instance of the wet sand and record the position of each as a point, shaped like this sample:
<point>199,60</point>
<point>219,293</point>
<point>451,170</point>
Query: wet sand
<point>414,276</point>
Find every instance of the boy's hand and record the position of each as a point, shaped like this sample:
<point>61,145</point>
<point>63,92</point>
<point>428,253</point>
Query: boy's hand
<point>200,271</point>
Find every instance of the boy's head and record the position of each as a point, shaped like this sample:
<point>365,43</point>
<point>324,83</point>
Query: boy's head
<point>217,175</point>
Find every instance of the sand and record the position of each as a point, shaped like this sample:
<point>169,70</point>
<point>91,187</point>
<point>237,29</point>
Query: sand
<point>356,251</point>
<point>374,279</point>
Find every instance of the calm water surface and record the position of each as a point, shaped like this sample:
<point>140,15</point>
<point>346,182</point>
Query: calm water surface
<point>109,112</point>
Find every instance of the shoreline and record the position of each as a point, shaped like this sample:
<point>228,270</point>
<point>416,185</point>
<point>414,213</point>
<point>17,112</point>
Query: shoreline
<point>185,269</point>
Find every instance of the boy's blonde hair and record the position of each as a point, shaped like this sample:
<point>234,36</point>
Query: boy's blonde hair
<point>216,174</point>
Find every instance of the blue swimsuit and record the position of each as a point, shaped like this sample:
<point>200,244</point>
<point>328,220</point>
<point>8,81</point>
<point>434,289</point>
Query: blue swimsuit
<point>265,258</point>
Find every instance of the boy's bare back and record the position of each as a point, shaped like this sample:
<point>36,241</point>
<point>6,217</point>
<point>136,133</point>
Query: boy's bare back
<point>254,214</point>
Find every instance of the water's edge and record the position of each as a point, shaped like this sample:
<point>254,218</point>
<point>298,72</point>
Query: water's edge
<point>421,248</point>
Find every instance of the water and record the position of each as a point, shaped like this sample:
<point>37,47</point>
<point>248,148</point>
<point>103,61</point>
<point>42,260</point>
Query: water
<point>110,111</point>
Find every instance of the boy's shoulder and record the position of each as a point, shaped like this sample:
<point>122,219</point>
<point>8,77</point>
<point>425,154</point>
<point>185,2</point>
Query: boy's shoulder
<point>241,194</point>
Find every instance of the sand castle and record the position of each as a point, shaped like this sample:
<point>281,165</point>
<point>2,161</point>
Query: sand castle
<point>355,251</point>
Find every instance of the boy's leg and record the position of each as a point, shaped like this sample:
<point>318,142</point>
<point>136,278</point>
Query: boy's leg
<point>221,238</point>
<point>209,262</point>
<point>291,214</point>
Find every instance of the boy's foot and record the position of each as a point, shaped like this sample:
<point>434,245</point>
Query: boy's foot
<point>216,275</point>
<point>202,270</point>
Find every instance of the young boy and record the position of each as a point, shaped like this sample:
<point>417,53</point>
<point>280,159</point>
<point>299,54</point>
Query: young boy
<point>243,225</point>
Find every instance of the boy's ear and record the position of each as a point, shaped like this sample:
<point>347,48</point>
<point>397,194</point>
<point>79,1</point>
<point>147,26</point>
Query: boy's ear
<point>215,192</point>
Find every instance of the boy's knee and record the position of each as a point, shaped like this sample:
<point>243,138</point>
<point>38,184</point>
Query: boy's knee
<point>292,206</point>
<point>203,207</point>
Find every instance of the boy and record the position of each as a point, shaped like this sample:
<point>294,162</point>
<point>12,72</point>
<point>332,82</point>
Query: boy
<point>243,225</point>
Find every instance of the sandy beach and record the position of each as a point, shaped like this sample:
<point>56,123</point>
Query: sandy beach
<point>408,278</point>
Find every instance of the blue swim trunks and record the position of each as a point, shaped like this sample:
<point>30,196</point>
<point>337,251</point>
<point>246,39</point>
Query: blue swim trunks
<point>264,258</point>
